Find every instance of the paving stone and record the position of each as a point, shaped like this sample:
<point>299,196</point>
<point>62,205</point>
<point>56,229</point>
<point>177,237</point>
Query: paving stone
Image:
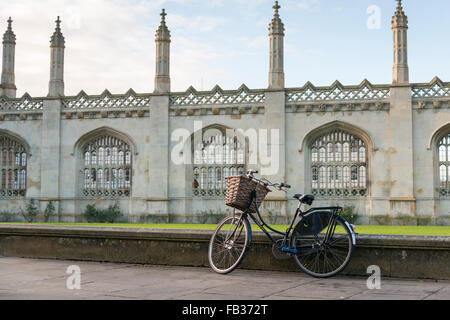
<point>250,288</point>
<point>284,298</point>
<point>158,292</point>
<point>217,297</point>
<point>442,294</point>
<point>27,279</point>
<point>370,295</point>
<point>313,291</point>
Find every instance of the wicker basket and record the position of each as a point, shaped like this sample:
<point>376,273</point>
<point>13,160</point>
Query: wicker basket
<point>239,189</point>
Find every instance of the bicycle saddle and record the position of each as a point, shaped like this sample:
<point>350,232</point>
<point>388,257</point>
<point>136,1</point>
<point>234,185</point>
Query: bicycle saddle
<point>305,198</point>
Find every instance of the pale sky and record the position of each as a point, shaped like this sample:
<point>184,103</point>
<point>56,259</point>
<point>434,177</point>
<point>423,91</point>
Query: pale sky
<point>110,43</point>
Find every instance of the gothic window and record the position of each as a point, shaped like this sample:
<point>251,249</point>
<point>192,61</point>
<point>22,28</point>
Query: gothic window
<point>107,167</point>
<point>444,165</point>
<point>13,167</point>
<point>215,158</point>
<point>338,165</point>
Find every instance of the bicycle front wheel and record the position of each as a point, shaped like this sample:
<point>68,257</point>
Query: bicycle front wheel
<point>324,244</point>
<point>229,244</point>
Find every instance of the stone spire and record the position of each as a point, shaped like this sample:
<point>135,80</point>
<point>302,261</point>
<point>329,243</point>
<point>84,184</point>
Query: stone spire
<point>57,39</point>
<point>162,75</point>
<point>9,35</point>
<point>400,29</point>
<point>8,87</point>
<point>57,46</point>
<point>276,33</point>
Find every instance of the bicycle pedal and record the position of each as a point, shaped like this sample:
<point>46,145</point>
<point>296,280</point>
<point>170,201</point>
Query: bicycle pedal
<point>289,250</point>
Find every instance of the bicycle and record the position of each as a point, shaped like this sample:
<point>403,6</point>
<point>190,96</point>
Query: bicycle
<point>314,243</point>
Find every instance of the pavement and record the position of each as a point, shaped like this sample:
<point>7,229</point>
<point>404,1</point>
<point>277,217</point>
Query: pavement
<point>29,279</point>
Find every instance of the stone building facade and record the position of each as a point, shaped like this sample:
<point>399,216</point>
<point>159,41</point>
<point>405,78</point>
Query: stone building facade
<point>383,148</point>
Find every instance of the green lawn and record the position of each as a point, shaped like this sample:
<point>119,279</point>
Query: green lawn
<point>398,230</point>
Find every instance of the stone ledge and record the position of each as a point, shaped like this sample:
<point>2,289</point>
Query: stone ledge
<point>422,257</point>
<point>106,232</point>
<point>367,240</point>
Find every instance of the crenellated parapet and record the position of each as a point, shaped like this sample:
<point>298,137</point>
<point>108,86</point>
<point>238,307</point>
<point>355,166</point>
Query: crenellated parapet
<point>337,97</point>
<point>217,96</point>
<point>432,95</point>
<point>436,88</point>
<point>309,98</point>
<point>106,105</point>
<point>25,103</point>
<point>217,102</point>
<point>19,109</point>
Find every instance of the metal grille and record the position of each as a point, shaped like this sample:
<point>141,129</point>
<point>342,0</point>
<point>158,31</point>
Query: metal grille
<point>107,168</point>
<point>216,158</point>
<point>13,168</point>
<point>444,166</point>
<point>339,165</point>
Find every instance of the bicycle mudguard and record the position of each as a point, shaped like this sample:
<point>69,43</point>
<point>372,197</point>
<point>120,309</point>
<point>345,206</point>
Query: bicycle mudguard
<point>352,230</point>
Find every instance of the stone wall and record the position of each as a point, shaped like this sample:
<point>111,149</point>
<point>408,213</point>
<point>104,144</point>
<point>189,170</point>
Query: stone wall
<point>418,257</point>
<point>398,185</point>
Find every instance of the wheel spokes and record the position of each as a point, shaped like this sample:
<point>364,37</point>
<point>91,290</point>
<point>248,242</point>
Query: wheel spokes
<point>323,254</point>
<point>228,244</point>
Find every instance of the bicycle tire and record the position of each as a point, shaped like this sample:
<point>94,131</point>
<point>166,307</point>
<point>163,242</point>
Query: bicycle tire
<point>229,244</point>
<point>314,256</point>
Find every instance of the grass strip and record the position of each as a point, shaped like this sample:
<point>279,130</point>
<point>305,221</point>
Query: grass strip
<point>382,230</point>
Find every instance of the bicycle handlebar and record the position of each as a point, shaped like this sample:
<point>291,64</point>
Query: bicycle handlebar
<point>279,186</point>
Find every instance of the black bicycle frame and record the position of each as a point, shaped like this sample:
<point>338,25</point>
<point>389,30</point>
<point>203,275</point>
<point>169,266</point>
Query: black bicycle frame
<point>263,225</point>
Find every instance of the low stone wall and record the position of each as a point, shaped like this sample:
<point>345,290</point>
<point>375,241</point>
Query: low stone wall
<point>420,257</point>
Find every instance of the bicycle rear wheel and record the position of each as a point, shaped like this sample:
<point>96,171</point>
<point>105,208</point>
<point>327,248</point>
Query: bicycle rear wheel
<point>229,244</point>
<point>324,243</point>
